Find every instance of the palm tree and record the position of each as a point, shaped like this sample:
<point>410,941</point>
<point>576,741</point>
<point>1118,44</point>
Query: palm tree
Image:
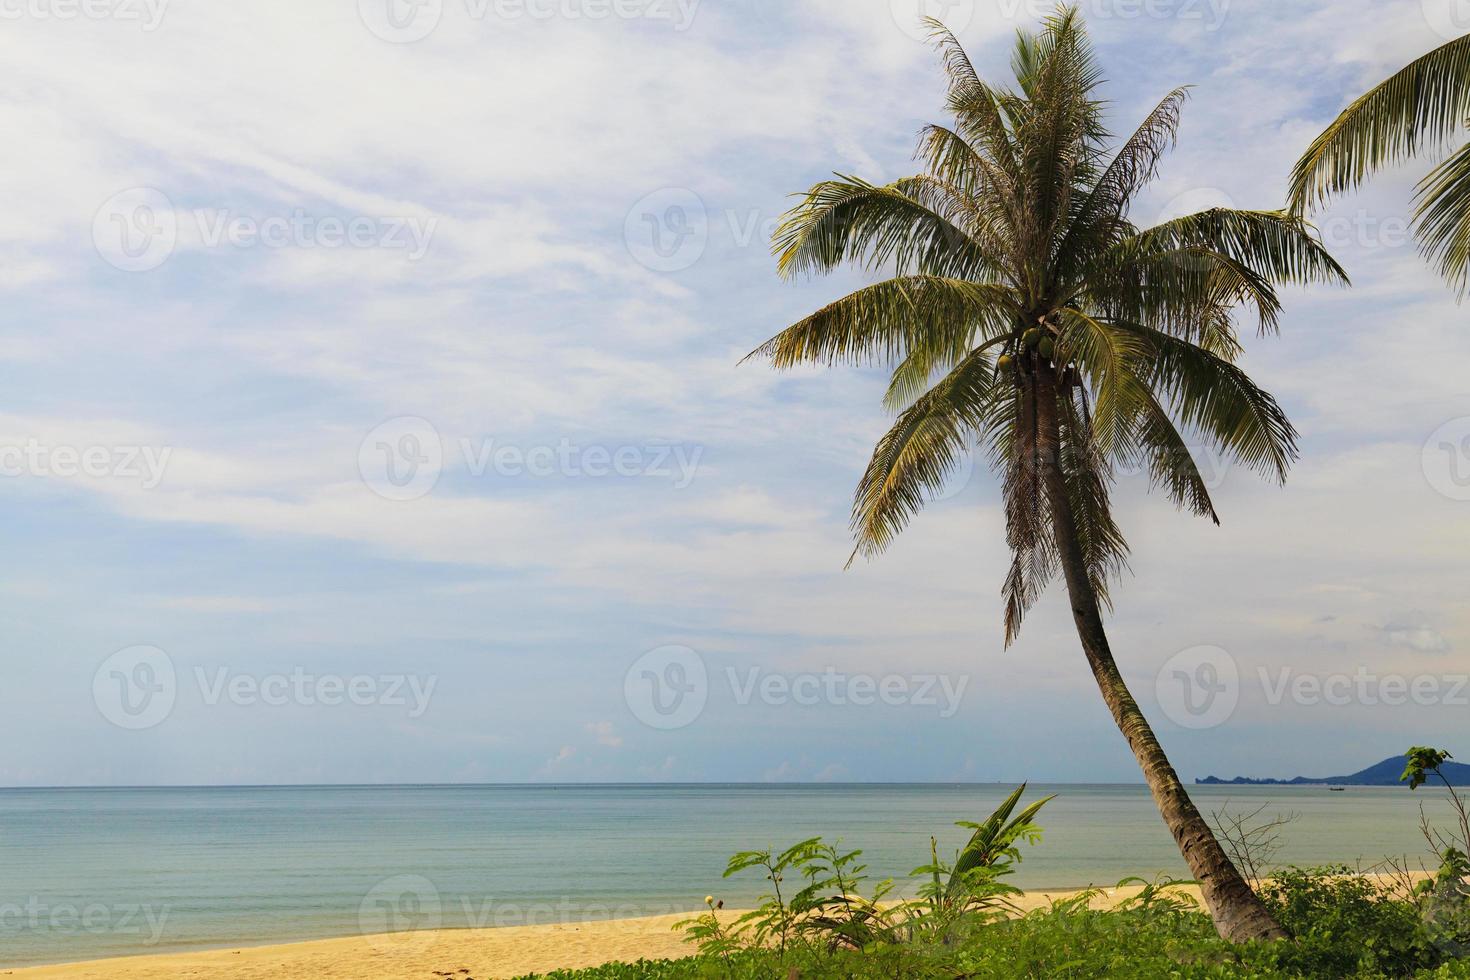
<point>1419,109</point>
<point>1067,341</point>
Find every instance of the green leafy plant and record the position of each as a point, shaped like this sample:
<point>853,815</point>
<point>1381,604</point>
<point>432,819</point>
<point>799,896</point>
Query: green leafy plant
<point>970,891</point>
<point>831,911</point>
<point>1444,898</point>
<point>1421,765</point>
<point>1347,924</point>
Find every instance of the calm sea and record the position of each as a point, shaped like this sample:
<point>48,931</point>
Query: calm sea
<point>86,873</point>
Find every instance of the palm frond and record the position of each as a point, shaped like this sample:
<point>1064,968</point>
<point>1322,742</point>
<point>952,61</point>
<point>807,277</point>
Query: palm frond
<point>851,220</point>
<point>1133,166</point>
<point>1190,292</point>
<point>1111,360</point>
<point>920,452</point>
<point>1171,463</point>
<point>887,321</point>
<point>1419,107</point>
<point>1220,401</point>
<point>1443,218</point>
<point>1280,247</point>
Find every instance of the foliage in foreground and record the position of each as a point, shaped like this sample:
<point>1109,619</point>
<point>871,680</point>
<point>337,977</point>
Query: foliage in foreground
<point>964,923</point>
<point>830,911</point>
<point>1158,935</point>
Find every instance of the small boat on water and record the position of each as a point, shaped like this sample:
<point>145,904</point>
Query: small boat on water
<point>1337,789</point>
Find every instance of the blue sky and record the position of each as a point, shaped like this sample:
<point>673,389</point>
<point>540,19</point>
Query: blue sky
<point>254,254</point>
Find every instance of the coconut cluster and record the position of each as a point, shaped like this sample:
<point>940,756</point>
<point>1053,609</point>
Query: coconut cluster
<point>1034,339</point>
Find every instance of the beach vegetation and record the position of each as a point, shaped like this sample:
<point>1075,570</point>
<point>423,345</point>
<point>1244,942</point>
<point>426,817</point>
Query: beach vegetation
<point>961,919</point>
<point>1345,925</point>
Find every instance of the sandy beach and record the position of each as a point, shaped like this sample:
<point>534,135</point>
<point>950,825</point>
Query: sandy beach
<point>462,954</point>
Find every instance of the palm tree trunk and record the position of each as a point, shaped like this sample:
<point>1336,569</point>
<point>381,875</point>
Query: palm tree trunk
<point>1238,913</point>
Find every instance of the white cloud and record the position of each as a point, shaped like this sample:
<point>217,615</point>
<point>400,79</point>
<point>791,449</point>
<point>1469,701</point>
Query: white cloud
<point>529,322</point>
<point>605,733</point>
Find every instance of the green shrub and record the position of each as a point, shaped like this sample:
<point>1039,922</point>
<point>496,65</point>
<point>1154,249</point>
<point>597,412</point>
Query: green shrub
<point>1347,925</point>
<point>815,924</point>
<point>1348,928</point>
<point>955,899</point>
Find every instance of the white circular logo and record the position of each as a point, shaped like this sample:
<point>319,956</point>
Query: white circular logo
<point>401,21</point>
<point>959,478</point>
<point>909,15</point>
<point>1450,19</point>
<point>136,230</point>
<point>1193,202</point>
<point>1199,687</point>
<point>400,910</point>
<point>402,458</point>
<point>667,231</point>
<point>1446,459</point>
<point>667,688</point>
<point>135,688</point>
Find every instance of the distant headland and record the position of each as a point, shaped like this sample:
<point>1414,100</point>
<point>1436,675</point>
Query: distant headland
<point>1385,773</point>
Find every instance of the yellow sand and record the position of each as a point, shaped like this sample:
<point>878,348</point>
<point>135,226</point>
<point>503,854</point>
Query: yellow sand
<point>461,954</point>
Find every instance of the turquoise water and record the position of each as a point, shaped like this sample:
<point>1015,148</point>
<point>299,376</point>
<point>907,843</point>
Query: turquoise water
<point>86,873</point>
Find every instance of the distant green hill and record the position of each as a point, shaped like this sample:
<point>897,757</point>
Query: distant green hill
<point>1385,773</point>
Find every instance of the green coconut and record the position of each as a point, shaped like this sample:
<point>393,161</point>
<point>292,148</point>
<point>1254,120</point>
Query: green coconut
<point>1031,337</point>
<point>1046,348</point>
<point>1004,362</point>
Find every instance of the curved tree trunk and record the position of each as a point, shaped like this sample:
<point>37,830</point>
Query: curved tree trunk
<point>1238,913</point>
